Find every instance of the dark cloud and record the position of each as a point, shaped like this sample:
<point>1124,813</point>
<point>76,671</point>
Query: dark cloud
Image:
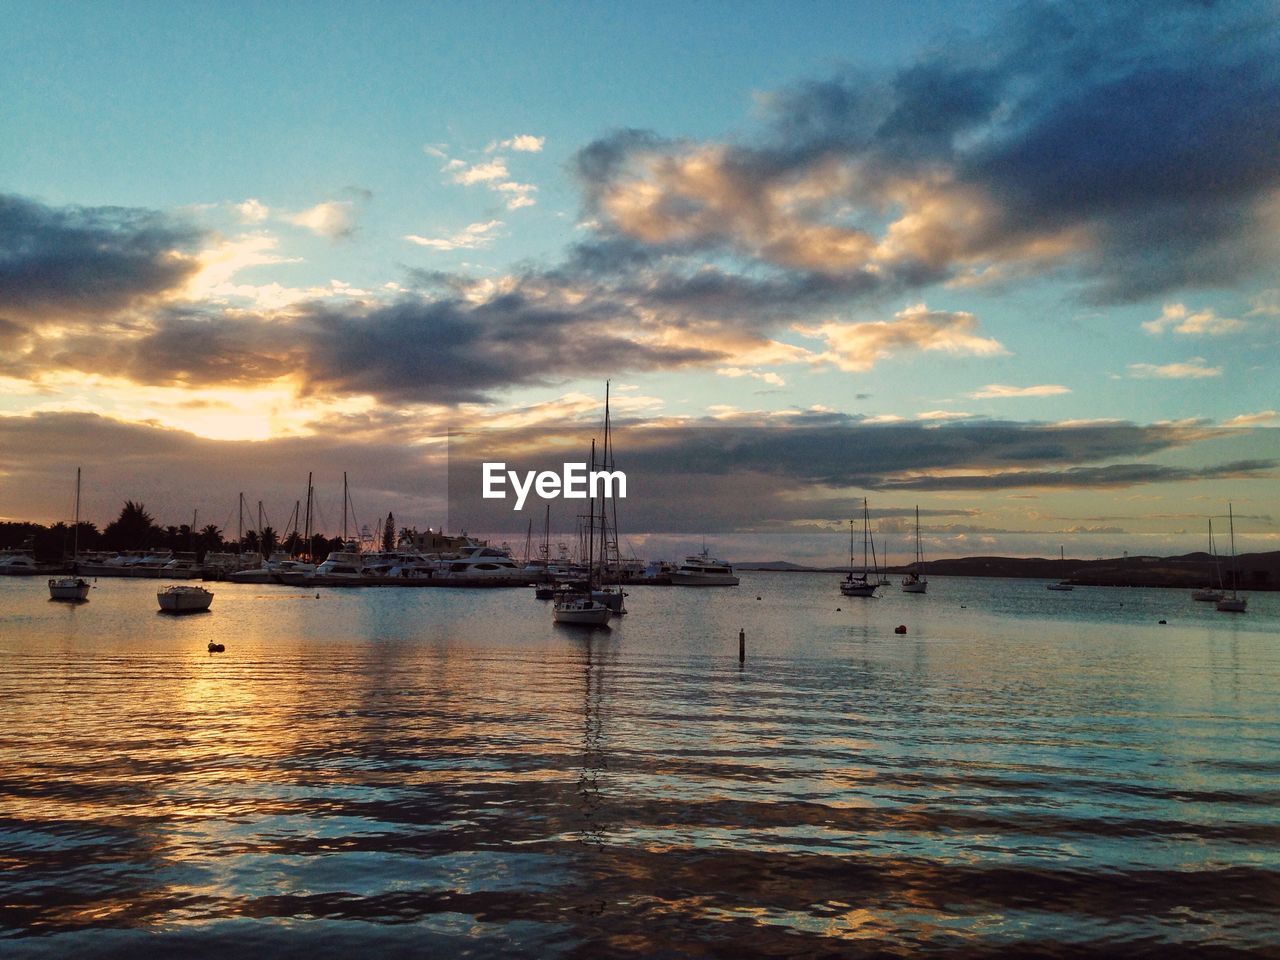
<point>1134,144</point>
<point>56,261</point>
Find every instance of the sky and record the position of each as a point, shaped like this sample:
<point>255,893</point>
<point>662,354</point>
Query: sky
<point>1013,263</point>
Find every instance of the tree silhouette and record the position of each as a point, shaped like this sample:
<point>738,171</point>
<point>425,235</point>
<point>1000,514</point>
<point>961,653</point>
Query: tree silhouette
<point>269,541</point>
<point>133,529</point>
<point>211,537</point>
<point>389,534</point>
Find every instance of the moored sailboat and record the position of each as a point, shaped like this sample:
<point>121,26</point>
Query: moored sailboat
<point>1234,603</point>
<point>860,585</point>
<point>916,581</point>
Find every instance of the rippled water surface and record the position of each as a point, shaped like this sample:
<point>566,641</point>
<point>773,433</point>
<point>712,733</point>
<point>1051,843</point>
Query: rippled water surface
<point>394,772</point>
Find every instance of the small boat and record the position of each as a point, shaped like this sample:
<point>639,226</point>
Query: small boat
<point>73,589</point>
<point>1234,603</point>
<point>182,598</point>
<point>1061,584</point>
<point>916,581</point>
<point>861,585</point>
<point>1211,593</point>
<point>582,609</point>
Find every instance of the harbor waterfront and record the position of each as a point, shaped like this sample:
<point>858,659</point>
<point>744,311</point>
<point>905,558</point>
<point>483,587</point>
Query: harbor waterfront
<point>447,772</point>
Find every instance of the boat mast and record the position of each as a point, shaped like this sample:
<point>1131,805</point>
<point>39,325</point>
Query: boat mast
<point>591,525</point>
<point>240,526</point>
<point>75,537</point>
<point>344,509</point>
<point>1232,524</point>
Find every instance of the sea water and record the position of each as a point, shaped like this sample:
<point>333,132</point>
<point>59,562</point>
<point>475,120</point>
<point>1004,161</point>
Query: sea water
<point>408,772</point>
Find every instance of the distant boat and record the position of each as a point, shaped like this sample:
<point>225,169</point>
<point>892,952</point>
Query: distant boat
<point>1061,584</point>
<point>915,581</point>
<point>862,585</point>
<point>73,589</point>
<point>704,570</point>
<point>580,607</point>
<point>182,598</point>
<point>1211,593</point>
<point>1234,603</point>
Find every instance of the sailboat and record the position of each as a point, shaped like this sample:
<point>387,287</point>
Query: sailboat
<point>1234,603</point>
<point>580,607</point>
<point>74,589</point>
<point>860,586</point>
<point>915,581</point>
<point>1061,584</point>
<point>1212,593</point>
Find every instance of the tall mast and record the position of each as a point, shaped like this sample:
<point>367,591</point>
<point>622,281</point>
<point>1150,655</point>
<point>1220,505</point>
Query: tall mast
<point>240,525</point>
<point>591,525</point>
<point>75,538</point>
<point>260,543</point>
<point>344,508</point>
<point>307,529</point>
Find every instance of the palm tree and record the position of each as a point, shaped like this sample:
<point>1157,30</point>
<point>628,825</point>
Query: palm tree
<point>133,529</point>
<point>389,534</point>
<point>211,537</point>
<point>268,540</point>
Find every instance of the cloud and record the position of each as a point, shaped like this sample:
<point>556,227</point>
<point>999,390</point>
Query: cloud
<point>856,347</point>
<point>1179,319</point>
<point>764,376</point>
<point>88,261</point>
<point>1253,419</point>
<point>1134,152</point>
<point>252,211</point>
<point>471,237</point>
<point>1000,391</point>
<point>487,172</point>
<point>1193,369</point>
<point>521,143</point>
<point>334,219</point>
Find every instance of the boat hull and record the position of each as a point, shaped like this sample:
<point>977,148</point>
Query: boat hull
<point>919,586</point>
<point>1208,596</point>
<point>1059,586</point>
<point>70,589</point>
<point>1232,604</point>
<point>184,600</point>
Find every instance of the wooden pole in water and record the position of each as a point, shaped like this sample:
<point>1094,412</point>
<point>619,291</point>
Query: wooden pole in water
<point>742,646</point>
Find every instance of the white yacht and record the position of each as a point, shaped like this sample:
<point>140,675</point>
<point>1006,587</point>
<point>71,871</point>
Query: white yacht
<point>482,562</point>
<point>342,564</point>
<point>183,566</point>
<point>272,569</point>
<point>17,563</point>
<point>703,570</point>
<point>581,609</point>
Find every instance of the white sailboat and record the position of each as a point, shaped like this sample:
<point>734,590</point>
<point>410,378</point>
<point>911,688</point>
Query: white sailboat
<point>1212,593</point>
<point>1061,584</point>
<point>182,598</point>
<point>1234,603</point>
<point>581,608</point>
<point>74,589</point>
<point>915,581</point>
<point>861,585</point>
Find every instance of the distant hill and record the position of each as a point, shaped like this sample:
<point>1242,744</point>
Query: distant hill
<point>1257,571</point>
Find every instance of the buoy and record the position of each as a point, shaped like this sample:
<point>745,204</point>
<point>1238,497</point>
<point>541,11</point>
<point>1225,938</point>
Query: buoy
<point>900,628</point>
<point>757,598</point>
<point>1164,621</point>
<point>837,609</point>
<point>216,648</point>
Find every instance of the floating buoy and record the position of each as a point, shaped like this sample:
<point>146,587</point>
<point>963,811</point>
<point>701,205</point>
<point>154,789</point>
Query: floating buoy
<point>216,648</point>
<point>900,628</point>
<point>837,609</point>
<point>1164,621</point>
<point>757,598</point>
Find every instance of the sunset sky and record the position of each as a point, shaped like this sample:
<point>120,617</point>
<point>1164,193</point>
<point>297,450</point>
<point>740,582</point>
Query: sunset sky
<point>1018,264</point>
